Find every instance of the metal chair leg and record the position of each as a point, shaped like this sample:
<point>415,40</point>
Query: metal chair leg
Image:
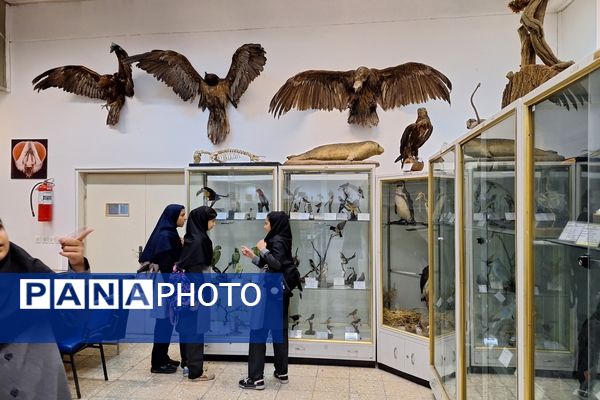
<point>72,358</point>
<point>103,361</point>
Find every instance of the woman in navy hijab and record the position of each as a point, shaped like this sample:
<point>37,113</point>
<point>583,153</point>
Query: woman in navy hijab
<point>164,249</point>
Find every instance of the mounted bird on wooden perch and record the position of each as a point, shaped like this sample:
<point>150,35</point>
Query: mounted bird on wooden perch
<point>177,72</point>
<point>81,80</point>
<point>361,90</point>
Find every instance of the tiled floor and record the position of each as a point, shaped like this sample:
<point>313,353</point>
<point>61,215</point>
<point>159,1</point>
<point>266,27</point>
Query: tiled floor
<point>130,378</point>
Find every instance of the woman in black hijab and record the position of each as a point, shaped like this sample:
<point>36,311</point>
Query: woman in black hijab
<point>164,249</point>
<point>275,257</point>
<point>34,370</point>
<point>196,257</point>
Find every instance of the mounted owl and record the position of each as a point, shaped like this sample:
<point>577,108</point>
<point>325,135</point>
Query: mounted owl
<point>77,79</point>
<point>361,90</point>
<point>177,72</point>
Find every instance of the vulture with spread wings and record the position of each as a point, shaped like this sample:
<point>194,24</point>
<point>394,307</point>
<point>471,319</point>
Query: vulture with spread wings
<point>361,90</point>
<point>81,80</point>
<point>177,72</point>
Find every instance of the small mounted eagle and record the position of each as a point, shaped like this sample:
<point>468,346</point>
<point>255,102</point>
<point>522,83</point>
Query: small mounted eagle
<point>177,72</point>
<point>81,80</point>
<point>361,90</point>
<point>415,135</point>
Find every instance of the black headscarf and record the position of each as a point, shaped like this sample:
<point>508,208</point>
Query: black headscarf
<point>164,237</point>
<point>280,233</point>
<point>197,246</point>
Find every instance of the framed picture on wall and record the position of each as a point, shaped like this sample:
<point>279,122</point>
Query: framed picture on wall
<point>29,159</point>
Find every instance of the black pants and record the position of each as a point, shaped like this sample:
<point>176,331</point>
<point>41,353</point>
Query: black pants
<point>193,348</point>
<point>258,348</point>
<point>589,348</point>
<point>163,330</point>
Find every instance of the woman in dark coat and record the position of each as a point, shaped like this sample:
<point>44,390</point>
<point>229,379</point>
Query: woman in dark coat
<point>275,257</point>
<point>164,249</point>
<point>196,258</point>
<point>33,370</point>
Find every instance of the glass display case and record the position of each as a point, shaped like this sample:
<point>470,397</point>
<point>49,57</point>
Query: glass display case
<point>242,194</point>
<point>330,211</point>
<point>488,231</point>
<point>442,218</point>
<point>565,221</point>
<point>404,254</point>
<point>402,237</point>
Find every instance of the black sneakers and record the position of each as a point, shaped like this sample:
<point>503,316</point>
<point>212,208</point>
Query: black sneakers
<point>282,378</point>
<point>250,383</point>
<point>164,369</point>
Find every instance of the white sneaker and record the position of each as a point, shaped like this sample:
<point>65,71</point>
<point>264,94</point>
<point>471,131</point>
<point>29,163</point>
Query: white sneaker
<point>186,371</point>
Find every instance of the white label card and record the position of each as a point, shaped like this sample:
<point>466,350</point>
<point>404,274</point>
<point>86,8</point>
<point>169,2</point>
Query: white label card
<point>589,236</point>
<point>296,334</point>
<point>311,283</point>
<point>482,288</point>
<point>364,217</point>
<point>545,217</point>
<point>239,215</point>
<point>222,215</point>
<point>338,282</point>
<point>342,216</point>
<point>505,357</point>
<point>351,336</point>
<point>322,335</point>
<point>510,216</point>
<point>261,215</point>
<point>407,167</point>
<point>439,302</point>
<point>571,231</point>
<point>360,285</point>
<point>536,291</point>
<point>500,297</point>
<point>300,216</point>
<point>329,216</point>
<point>478,217</point>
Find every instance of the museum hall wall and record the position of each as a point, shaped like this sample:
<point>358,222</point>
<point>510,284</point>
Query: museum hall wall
<point>158,130</point>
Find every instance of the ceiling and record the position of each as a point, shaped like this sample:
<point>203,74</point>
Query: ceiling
<point>475,7</point>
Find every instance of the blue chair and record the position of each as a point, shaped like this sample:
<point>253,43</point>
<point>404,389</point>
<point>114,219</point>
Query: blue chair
<point>89,334</point>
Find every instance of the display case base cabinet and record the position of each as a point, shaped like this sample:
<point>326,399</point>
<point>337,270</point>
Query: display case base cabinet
<point>301,349</point>
<point>404,353</point>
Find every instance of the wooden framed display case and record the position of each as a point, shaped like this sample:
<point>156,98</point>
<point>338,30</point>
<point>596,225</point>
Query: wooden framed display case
<point>402,235</point>
<point>442,283</point>
<point>244,193</point>
<point>331,213</point>
<point>528,247</point>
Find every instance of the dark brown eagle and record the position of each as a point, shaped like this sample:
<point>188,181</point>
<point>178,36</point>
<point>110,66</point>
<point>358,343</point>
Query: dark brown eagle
<point>415,135</point>
<point>361,90</point>
<point>81,80</point>
<point>177,72</point>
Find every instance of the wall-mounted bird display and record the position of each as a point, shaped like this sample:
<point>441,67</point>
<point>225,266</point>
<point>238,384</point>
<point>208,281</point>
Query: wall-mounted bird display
<point>345,260</point>
<point>80,80</point>
<point>361,90</point>
<point>403,204</point>
<point>216,256</point>
<point>353,313</point>
<point>175,70</point>
<point>210,195</point>
<point>263,202</point>
<point>415,135</point>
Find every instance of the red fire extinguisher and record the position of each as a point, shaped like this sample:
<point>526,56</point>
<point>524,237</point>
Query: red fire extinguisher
<point>45,191</point>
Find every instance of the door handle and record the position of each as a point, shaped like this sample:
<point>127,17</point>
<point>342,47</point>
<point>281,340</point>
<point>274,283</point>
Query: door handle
<point>395,353</point>
<point>412,358</point>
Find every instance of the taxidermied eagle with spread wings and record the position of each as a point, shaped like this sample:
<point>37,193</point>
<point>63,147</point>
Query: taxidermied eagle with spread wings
<point>177,72</point>
<point>361,90</point>
<point>81,80</point>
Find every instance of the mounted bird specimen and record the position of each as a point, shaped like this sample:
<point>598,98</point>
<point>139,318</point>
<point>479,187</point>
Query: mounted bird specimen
<point>415,135</point>
<point>81,80</point>
<point>177,72</point>
<point>361,90</point>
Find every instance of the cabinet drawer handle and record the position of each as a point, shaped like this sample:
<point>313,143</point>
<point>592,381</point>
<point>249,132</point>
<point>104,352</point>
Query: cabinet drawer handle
<point>299,348</point>
<point>412,358</point>
<point>395,353</point>
<point>353,351</point>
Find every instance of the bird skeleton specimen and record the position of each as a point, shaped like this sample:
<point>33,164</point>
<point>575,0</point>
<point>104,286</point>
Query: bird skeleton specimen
<point>224,155</point>
<point>361,90</point>
<point>80,80</point>
<point>177,72</point>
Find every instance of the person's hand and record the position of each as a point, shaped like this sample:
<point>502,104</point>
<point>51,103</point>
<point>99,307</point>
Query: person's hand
<point>261,245</point>
<point>247,252</point>
<point>72,249</point>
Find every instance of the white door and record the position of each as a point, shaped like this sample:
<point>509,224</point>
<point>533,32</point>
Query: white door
<point>137,201</point>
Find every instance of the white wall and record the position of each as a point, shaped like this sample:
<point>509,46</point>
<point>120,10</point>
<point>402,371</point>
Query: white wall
<point>158,130</point>
<point>577,27</point>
